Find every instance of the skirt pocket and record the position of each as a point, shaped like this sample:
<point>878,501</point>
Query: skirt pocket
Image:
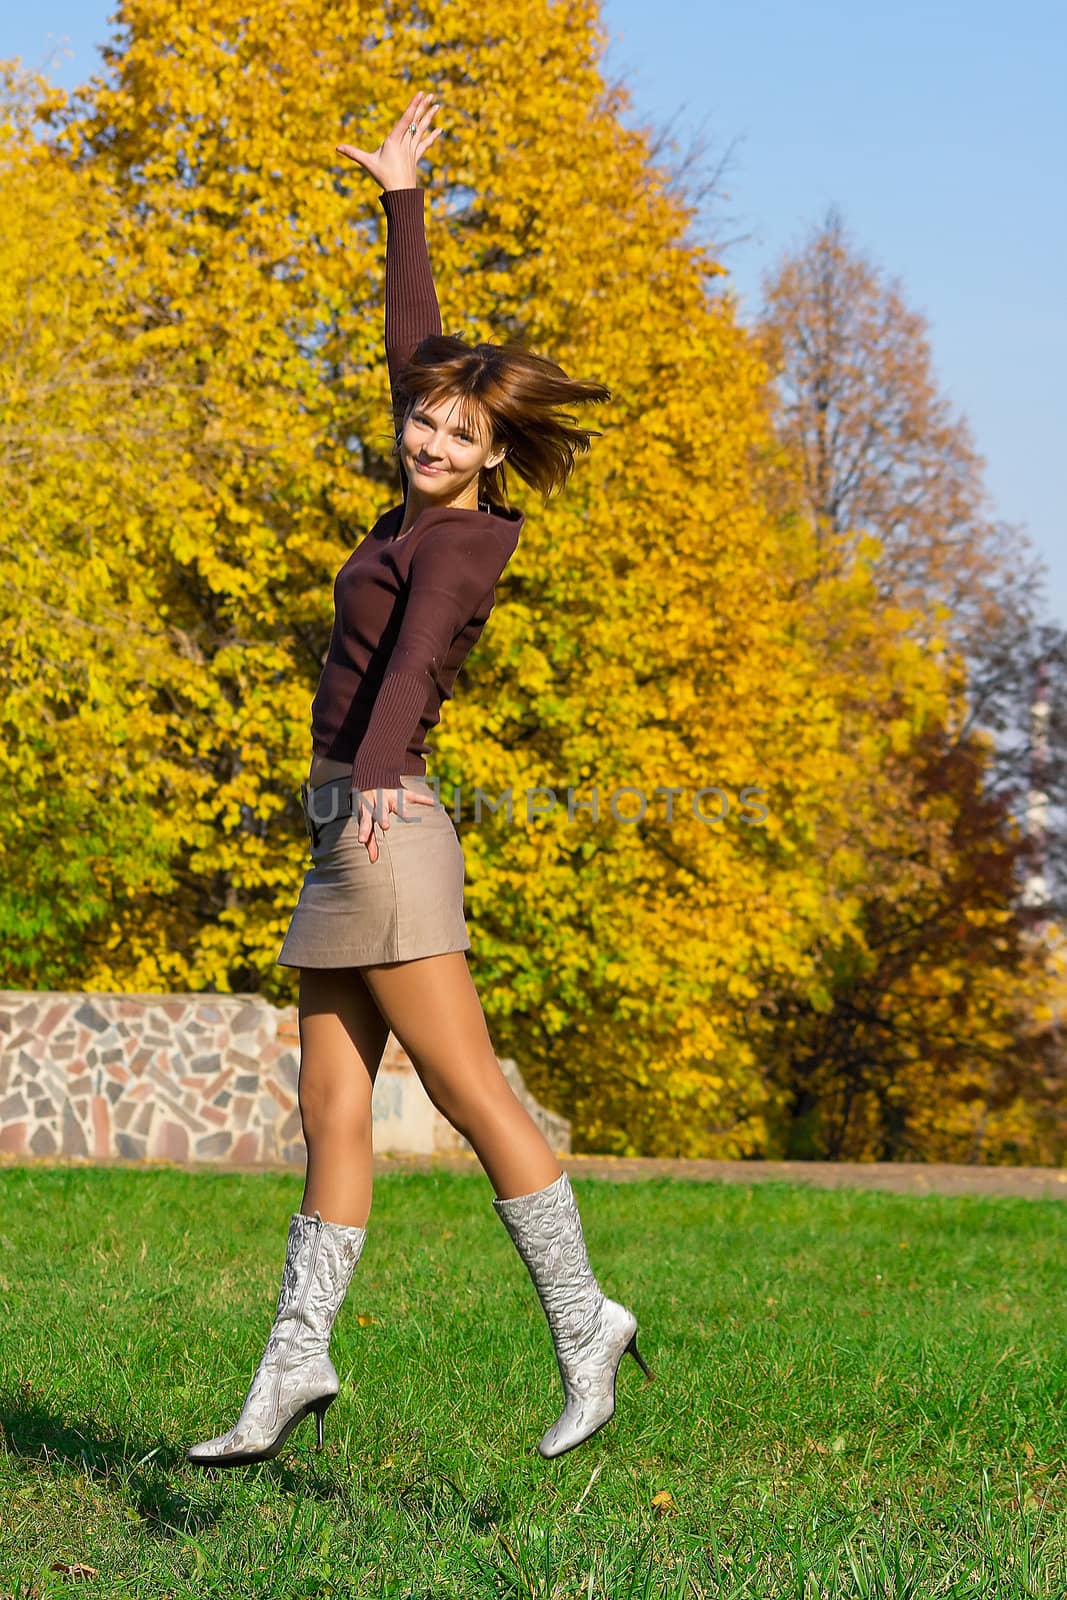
<point>327,836</point>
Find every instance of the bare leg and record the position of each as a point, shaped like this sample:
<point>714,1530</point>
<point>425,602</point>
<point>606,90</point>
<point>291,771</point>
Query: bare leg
<point>342,1039</point>
<point>433,1008</point>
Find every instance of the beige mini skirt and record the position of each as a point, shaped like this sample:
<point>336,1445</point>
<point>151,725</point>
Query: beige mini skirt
<point>353,912</point>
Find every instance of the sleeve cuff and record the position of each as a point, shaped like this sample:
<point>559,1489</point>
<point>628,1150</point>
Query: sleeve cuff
<point>383,779</point>
<point>397,711</point>
<point>401,200</point>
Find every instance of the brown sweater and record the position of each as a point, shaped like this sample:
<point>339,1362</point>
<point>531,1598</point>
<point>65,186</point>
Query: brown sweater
<point>406,611</point>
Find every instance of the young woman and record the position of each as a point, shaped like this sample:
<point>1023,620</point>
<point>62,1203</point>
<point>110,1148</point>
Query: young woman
<point>378,932</point>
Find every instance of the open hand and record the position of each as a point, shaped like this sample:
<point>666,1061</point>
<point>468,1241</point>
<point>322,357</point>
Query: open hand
<point>393,165</point>
<point>390,800</point>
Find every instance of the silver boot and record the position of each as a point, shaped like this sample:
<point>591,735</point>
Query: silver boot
<point>295,1374</point>
<point>591,1333</point>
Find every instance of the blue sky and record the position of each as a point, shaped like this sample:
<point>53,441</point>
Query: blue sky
<point>938,129</point>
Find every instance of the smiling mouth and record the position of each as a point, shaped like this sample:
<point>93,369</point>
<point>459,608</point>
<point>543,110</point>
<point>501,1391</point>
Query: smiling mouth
<point>432,470</point>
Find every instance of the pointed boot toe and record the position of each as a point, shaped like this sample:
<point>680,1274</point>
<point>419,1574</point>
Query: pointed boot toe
<point>295,1376</point>
<point>590,1333</point>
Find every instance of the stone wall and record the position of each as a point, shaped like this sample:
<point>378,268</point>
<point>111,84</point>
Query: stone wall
<point>189,1078</point>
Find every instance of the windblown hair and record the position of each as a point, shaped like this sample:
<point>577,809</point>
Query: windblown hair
<point>519,395</point>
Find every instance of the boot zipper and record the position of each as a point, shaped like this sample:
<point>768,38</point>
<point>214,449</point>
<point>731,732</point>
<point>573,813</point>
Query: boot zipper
<point>298,1316</point>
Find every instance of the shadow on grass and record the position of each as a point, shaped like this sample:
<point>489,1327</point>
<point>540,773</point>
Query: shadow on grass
<point>40,1442</point>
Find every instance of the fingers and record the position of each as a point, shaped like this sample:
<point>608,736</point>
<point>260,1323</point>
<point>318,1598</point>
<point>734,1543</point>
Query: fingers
<point>405,117</point>
<point>416,112</point>
<point>426,109</point>
<point>393,801</point>
<point>411,798</point>
<point>373,816</point>
<point>365,830</point>
<point>400,143</point>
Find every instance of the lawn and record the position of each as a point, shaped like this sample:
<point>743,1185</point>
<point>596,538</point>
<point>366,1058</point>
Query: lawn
<point>855,1394</point>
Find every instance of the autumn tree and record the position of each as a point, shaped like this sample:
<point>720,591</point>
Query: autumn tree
<point>878,448</point>
<point>666,630</point>
<point>879,451</point>
<point>879,454</point>
<point>86,442</point>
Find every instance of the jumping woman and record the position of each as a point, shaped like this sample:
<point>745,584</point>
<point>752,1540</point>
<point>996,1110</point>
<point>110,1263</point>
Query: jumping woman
<point>378,932</point>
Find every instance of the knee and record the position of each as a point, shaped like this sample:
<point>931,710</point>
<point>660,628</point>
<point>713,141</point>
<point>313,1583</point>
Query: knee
<point>335,1112</point>
<point>467,1098</point>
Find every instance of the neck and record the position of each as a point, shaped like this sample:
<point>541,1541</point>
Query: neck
<point>416,501</point>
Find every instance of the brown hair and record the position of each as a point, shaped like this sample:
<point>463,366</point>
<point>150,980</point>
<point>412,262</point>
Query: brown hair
<point>521,394</point>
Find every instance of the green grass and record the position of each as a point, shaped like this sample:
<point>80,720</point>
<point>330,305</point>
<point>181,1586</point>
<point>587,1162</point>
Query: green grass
<point>856,1394</point>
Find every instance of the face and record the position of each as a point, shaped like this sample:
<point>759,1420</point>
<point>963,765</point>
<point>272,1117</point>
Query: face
<point>443,450</point>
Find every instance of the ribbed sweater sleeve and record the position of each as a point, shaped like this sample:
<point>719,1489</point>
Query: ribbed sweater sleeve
<point>451,571</point>
<point>411,309</point>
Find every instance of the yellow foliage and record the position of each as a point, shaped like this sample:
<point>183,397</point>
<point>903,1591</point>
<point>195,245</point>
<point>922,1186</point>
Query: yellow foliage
<point>208,426</point>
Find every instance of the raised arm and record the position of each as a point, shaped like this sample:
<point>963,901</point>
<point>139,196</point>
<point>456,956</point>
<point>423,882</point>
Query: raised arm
<point>411,309</point>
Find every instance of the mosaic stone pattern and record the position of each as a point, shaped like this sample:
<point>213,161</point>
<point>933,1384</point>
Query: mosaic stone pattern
<point>188,1079</point>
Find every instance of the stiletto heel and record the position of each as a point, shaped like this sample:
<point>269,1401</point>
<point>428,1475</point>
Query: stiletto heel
<point>295,1374</point>
<point>638,1357</point>
<point>590,1333</point>
<point>320,1408</point>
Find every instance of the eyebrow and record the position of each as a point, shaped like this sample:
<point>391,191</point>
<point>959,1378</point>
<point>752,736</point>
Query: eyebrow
<point>461,427</point>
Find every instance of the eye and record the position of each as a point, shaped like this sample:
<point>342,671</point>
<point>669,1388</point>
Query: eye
<point>461,433</point>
